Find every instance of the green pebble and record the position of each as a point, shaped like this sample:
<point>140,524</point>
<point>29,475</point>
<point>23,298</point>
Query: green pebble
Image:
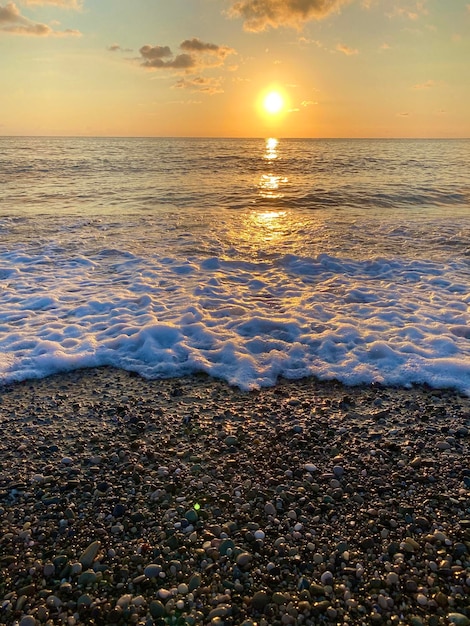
<point>87,578</point>
<point>194,582</point>
<point>227,544</point>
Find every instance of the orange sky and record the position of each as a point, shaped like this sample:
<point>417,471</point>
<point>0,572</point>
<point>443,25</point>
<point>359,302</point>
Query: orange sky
<point>345,68</point>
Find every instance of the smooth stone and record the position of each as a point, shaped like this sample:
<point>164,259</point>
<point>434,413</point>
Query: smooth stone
<point>124,601</point>
<point>459,619</point>
<point>280,598</point>
<point>152,570</point>
<point>244,559</point>
<point>269,509</point>
<point>310,467</point>
<point>157,609</point>
<point>338,471</point>
<point>316,589</point>
<point>28,620</point>
<point>87,578</point>
<point>49,570</point>
<point>119,510</point>
<point>88,555</point>
<point>259,534</point>
<point>260,600</point>
<point>191,516</point>
<point>227,544</point>
<point>231,440</point>
<point>84,600</point>
<point>194,582</point>
<point>443,445</point>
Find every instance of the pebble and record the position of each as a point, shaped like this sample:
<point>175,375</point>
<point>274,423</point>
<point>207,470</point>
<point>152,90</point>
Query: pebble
<point>201,533</point>
<point>269,509</point>
<point>89,554</point>
<point>311,468</point>
<point>152,570</point>
<point>458,619</point>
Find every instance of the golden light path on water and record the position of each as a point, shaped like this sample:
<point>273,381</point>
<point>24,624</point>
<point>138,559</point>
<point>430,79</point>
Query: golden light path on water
<point>268,225</point>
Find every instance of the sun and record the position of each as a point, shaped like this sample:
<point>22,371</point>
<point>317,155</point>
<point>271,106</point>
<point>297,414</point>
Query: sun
<point>273,102</point>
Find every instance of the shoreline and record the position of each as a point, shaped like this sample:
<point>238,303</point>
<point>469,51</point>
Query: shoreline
<point>186,501</point>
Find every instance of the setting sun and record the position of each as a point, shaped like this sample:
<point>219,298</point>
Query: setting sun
<point>273,102</point>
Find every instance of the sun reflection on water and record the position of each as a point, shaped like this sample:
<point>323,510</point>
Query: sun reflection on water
<point>269,184</point>
<point>271,149</point>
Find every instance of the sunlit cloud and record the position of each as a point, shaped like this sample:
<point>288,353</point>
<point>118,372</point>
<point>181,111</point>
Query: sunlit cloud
<point>13,22</point>
<point>427,85</point>
<point>258,15</point>
<point>200,83</point>
<point>196,55</point>
<point>341,47</point>
<point>198,47</point>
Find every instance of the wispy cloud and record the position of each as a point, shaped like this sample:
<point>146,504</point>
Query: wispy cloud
<point>66,4</point>
<point>115,47</point>
<point>411,10</point>
<point>11,21</point>
<point>195,56</point>
<point>200,83</point>
<point>258,15</point>
<point>427,85</point>
<point>341,47</point>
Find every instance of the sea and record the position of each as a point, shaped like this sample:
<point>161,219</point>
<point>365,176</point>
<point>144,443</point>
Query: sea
<point>246,259</point>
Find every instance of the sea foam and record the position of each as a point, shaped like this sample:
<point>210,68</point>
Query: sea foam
<point>387,320</point>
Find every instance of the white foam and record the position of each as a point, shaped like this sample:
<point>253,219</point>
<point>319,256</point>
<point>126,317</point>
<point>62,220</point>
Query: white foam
<point>390,319</point>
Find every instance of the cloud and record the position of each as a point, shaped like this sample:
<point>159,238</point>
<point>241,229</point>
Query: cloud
<point>341,47</point>
<point>410,9</point>
<point>200,83</point>
<point>196,46</point>
<point>115,47</point>
<point>66,4</point>
<point>195,57</point>
<point>11,21</point>
<point>427,85</point>
<point>158,57</point>
<point>259,15</point>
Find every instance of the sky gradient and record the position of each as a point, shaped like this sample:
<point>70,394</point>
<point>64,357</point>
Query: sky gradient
<point>345,68</point>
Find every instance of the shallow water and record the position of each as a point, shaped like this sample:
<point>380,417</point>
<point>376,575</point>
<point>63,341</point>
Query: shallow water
<point>246,259</point>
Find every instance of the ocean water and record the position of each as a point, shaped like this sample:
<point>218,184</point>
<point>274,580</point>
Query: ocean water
<point>245,259</point>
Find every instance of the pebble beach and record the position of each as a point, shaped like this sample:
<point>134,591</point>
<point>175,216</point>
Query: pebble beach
<point>187,501</point>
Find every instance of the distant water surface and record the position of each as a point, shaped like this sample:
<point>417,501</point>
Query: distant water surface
<point>245,259</point>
